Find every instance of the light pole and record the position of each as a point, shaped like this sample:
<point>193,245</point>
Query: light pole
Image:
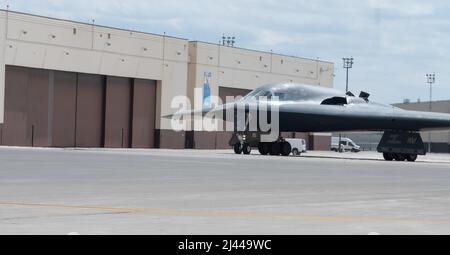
<point>228,41</point>
<point>431,79</point>
<point>348,64</point>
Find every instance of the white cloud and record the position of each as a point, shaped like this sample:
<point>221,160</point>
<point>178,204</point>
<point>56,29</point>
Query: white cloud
<point>404,7</point>
<point>268,38</point>
<point>394,42</point>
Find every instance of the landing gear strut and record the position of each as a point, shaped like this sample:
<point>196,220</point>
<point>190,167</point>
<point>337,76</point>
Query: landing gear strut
<point>238,148</point>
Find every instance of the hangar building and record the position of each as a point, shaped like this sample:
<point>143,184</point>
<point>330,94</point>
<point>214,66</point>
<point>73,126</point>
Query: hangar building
<point>71,84</point>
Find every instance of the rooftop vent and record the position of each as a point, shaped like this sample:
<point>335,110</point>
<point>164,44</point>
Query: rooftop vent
<point>364,95</point>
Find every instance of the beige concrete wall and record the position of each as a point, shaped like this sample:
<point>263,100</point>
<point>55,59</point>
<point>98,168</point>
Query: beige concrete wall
<point>40,42</point>
<point>248,69</point>
<point>442,136</point>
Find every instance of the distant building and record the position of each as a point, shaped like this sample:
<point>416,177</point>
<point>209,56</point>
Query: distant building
<point>440,140</point>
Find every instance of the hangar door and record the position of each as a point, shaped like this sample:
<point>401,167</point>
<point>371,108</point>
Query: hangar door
<point>130,113</point>
<point>46,108</point>
<point>62,110</point>
<point>144,114</point>
<point>90,111</point>
<point>117,112</point>
<point>26,107</point>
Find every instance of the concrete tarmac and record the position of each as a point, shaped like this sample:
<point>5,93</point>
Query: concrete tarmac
<point>57,191</point>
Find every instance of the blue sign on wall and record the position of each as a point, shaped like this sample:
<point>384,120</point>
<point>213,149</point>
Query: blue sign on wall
<point>207,90</point>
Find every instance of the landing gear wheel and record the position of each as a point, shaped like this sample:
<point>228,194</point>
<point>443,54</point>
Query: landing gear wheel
<point>388,156</point>
<point>247,149</point>
<point>238,148</point>
<point>286,149</point>
<point>296,153</point>
<point>264,148</point>
<point>275,149</point>
<point>399,157</point>
<point>411,157</point>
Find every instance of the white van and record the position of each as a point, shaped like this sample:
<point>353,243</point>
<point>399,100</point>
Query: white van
<point>346,145</point>
<point>298,146</point>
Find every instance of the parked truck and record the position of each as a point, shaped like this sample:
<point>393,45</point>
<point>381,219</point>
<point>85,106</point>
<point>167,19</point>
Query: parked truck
<point>298,146</point>
<point>346,145</point>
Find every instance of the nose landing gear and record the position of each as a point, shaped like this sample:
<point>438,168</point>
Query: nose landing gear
<point>240,148</point>
<point>247,149</point>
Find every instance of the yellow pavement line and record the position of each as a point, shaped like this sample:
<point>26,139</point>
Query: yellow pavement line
<point>205,213</point>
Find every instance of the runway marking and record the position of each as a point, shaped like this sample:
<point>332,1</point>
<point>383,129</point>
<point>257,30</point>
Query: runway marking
<point>286,216</point>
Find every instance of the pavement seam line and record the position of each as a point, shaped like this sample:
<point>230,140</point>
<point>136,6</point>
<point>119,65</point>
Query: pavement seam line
<point>175,212</point>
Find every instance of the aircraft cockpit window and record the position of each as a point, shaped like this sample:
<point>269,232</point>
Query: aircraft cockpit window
<point>257,94</point>
<point>268,95</point>
<point>335,101</point>
<point>286,94</point>
<point>281,96</point>
<point>291,94</point>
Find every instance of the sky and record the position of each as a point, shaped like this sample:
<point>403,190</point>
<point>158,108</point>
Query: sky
<point>394,43</point>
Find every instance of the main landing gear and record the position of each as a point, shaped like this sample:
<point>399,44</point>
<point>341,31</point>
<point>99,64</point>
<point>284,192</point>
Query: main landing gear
<point>243,144</point>
<point>277,148</point>
<point>401,146</point>
<point>399,157</point>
